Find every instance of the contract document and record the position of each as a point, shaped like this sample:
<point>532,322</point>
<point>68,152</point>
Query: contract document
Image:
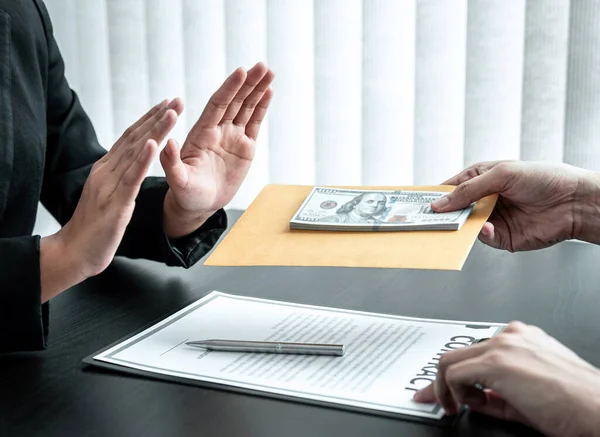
<point>387,357</point>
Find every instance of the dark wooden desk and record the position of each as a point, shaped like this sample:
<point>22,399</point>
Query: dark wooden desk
<point>50,393</point>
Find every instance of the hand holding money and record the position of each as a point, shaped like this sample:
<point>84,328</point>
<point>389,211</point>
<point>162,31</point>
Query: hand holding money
<point>539,204</point>
<point>336,209</point>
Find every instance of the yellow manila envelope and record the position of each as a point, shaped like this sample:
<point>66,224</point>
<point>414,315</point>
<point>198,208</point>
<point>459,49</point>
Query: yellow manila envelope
<point>262,237</point>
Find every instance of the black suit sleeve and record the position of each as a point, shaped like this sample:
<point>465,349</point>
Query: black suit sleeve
<point>23,320</point>
<point>71,150</point>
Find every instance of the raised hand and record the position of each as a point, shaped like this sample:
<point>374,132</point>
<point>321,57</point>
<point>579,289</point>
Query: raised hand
<point>86,245</point>
<point>208,170</point>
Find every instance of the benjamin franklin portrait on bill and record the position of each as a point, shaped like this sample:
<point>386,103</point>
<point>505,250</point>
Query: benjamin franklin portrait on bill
<point>364,208</point>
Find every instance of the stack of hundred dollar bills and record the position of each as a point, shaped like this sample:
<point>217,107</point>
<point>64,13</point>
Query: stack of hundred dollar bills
<point>335,209</point>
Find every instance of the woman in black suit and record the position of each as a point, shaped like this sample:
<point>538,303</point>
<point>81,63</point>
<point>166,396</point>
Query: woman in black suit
<point>49,153</point>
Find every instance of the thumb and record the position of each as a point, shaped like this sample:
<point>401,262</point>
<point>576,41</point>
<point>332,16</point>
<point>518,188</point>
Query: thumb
<point>175,171</point>
<point>490,182</point>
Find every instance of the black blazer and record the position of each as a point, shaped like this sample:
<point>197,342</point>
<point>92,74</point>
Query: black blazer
<point>47,147</point>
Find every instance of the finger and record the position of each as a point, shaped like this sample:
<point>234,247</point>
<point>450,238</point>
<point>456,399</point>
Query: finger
<point>426,395</point>
<point>465,388</point>
<point>158,132</point>
<point>160,107</point>
<point>449,359</point>
<point>253,78</point>
<point>148,119</point>
<point>494,238</point>
<point>156,109</point>
<point>439,390</point>
<point>220,100</point>
<point>487,230</point>
<point>496,231</point>
<point>129,185</point>
<point>176,105</point>
<point>488,235</point>
<point>460,380</point>
<point>175,171</point>
<point>256,96</point>
<point>471,172</point>
<point>150,127</point>
<point>144,131</point>
<point>253,126</point>
<point>472,396</point>
<point>496,406</point>
<point>516,327</point>
<point>490,182</point>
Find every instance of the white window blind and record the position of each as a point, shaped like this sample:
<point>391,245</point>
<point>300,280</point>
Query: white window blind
<point>367,91</point>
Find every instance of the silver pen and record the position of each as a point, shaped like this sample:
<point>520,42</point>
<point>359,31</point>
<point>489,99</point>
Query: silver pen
<point>273,347</point>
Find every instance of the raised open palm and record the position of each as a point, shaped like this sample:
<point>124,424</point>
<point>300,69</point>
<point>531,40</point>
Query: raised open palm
<point>208,170</point>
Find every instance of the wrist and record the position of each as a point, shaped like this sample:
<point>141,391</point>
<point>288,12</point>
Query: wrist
<point>586,208</point>
<point>59,269</point>
<point>179,222</point>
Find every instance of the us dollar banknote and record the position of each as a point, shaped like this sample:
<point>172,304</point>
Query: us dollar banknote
<point>367,210</point>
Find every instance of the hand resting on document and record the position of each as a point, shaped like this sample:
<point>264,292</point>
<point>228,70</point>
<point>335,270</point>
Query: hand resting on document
<point>521,375</point>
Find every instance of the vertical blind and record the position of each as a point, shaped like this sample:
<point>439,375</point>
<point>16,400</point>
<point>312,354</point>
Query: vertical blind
<point>383,92</point>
